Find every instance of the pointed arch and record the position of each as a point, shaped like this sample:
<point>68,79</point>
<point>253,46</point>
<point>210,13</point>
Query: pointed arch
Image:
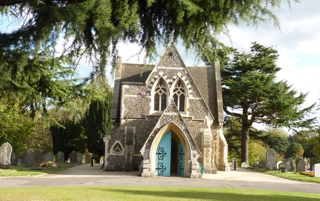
<point>180,95</point>
<point>160,95</point>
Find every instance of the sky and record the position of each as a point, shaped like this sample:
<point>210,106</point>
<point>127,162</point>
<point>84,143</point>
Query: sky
<point>297,42</point>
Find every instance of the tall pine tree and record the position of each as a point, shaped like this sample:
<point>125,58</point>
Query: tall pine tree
<point>252,94</point>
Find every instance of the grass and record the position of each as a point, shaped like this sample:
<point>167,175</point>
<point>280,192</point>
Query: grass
<point>290,175</point>
<point>23,171</point>
<point>148,193</point>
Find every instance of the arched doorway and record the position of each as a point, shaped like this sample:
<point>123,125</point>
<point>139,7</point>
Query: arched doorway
<point>170,155</point>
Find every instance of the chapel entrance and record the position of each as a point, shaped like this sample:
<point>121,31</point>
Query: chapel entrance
<point>170,156</point>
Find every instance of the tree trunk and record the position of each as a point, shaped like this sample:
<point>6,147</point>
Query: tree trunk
<point>245,144</point>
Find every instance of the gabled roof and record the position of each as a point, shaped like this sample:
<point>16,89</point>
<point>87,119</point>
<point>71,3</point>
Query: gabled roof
<point>173,117</point>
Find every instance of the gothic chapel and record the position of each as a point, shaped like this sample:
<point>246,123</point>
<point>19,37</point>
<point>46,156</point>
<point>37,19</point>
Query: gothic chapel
<point>168,119</point>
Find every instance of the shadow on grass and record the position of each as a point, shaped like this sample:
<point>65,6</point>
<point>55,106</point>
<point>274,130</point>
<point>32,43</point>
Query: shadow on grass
<point>216,194</point>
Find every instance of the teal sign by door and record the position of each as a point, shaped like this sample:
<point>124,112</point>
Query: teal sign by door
<point>163,155</point>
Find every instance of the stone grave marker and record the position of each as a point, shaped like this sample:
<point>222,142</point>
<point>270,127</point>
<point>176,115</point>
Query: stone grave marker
<point>28,158</point>
<point>38,158</point>
<point>262,164</point>
<point>244,165</point>
<point>87,158</point>
<point>60,157</point>
<point>313,161</point>
<point>48,156</point>
<point>14,158</point>
<point>289,164</point>
<point>79,157</point>
<point>5,155</point>
<point>73,157</point>
<point>271,159</point>
<point>300,165</point>
<point>317,170</point>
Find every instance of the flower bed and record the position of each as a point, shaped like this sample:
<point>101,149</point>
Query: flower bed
<point>49,164</point>
<point>310,174</point>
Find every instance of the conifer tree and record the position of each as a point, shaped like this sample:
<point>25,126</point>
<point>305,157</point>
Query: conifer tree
<point>252,94</point>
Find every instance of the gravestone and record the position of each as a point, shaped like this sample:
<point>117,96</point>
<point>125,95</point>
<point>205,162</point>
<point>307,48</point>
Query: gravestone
<point>271,159</point>
<point>38,158</point>
<point>28,158</point>
<point>60,157</point>
<point>48,156</point>
<point>5,155</point>
<point>87,158</point>
<point>317,170</point>
<point>79,157</point>
<point>300,165</point>
<point>289,164</point>
<point>313,161</point>
<point>234,161</point>
<point>244,165</point>
<point>14,158</point>
<point>262,164</point>
<point>73,157</point>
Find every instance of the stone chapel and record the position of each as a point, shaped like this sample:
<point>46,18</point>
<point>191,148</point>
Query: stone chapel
<point>168,119</point>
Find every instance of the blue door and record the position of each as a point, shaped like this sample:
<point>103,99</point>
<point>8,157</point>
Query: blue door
<point>180,159</point>
<point>163,155</point>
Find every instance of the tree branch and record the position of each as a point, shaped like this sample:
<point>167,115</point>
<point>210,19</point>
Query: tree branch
<point>14,2</point>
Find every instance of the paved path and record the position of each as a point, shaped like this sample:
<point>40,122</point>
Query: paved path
<point>84,175</point>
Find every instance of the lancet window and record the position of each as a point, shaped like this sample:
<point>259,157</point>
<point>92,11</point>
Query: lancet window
<point>179,95</point>
<point>160,96</point>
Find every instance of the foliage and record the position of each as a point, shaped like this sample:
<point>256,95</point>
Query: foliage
<point>295,150</point>
<point>68,137</point>
<point>97,120</point>
<point>277,139</point>
<point>257,152</point>
<point>310,174</point>
<point>94,27</point>
<point>16,127</point>
<point>307,139</point>
<point>316,149</point>
<point>252,94</point>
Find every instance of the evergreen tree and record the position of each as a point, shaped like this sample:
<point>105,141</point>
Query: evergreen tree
<point>97,120</point>
<point>252,94</point>
<point>94,27</point>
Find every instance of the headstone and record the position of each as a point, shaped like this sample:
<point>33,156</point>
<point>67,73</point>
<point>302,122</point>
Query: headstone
<point>230,164</point>
<point>313,161</point>
<point>28,158</point>
<point>79,157</point>
<point>48,156</point>
<point>271,159</point>
<point>244,165</point>
<point>60,157</point>
<point>87,158</point>
<point>5,155</point>
<point>262,164</point>
<point>14,158</point>
<point>317,170</point>
<point>289,164</point>
<point>101,161</point>
<point>73,157</point>
<point>38,158</point>
<point>300,165</point>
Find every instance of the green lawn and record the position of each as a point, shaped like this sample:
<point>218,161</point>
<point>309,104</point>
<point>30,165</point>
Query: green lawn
<point>148,193</point>
<point>23,171</point>
<point>290,175</point>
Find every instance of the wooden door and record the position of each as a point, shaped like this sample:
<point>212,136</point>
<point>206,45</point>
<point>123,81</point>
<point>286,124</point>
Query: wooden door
<point>163,155</point>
